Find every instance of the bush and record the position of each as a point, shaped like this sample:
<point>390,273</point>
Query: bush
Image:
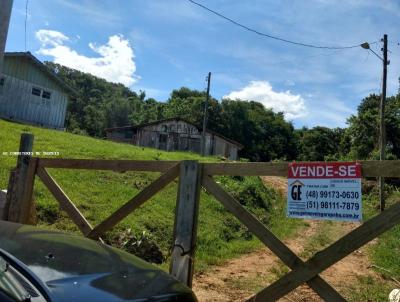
<point>141,245</point>
<point>48,213</point>
<point>249,191</point>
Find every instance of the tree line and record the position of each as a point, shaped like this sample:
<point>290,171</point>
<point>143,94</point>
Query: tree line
<point>266,135</point>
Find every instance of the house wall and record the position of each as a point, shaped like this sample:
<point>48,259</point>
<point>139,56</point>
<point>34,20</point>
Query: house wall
<point>170,136</point>
<point>225,148</point>
<point>22,68</point>
<point>175,135</point>
<point>17,101</point>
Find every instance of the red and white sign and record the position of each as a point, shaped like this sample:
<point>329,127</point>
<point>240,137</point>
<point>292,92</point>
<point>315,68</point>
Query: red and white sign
<point>325,170</point>
<point>318,190</point>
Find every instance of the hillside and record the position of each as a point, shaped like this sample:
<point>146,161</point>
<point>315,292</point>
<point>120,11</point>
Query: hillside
<point>98,193</point>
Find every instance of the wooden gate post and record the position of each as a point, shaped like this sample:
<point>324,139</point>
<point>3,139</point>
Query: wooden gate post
<point>185,228</point>
<point>20,190</point>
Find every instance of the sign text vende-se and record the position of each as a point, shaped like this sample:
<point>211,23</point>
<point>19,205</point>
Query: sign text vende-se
<point>325,191</point>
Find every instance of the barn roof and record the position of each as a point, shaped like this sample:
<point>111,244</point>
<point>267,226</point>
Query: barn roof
<point>131,127</point>
<point>43,68</point>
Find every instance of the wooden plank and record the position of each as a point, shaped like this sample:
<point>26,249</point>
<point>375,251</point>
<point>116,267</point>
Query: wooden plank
<point>268,238</point>
<point>332,254</point>
<point>386,168</point>
<point>11,192</point>
<point>259,168</point>
<point>103,164</point>
<point>65,203</point>
<point>185,227</point>
<point>19,208</point>
<point>28,207</point>
<point>135,202</point>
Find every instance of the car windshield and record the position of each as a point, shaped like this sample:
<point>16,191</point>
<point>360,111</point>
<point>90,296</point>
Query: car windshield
<point>9,285</point>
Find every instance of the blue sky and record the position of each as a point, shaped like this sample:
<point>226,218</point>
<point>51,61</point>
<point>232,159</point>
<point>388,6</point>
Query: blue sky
<point>160,45</point>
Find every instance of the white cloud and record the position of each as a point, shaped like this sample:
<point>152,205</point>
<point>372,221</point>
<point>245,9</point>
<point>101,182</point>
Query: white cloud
<point>293,106</point>
<point>51,37</point>
<point>114,61</point>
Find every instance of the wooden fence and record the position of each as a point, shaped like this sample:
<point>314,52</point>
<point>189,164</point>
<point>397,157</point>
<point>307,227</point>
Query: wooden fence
<point>192,176</point>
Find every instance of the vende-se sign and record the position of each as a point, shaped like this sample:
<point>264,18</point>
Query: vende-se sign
<point>325,191</point>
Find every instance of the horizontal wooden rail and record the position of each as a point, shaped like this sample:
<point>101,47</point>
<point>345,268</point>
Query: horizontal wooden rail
<point>255,169</point>
<point>370,168</point>
<point>107,164</point>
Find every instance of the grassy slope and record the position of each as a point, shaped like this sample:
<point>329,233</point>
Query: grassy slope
<point>98,193</point>
<point>385,255</point>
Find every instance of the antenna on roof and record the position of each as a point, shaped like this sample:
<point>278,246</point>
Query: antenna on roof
<point>26,19</point>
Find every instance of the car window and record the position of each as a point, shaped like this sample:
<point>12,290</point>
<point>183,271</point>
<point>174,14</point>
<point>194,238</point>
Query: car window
<point>9,285</point>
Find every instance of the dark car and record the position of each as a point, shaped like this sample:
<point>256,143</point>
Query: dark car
<point>43,265</point>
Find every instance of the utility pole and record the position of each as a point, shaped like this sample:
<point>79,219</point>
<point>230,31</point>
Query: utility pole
<point>5,14</point>
<point>382,130</point>
<point>203,137</point>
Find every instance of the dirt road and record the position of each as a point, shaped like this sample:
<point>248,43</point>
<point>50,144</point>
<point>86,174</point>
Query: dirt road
<point>241,277</point>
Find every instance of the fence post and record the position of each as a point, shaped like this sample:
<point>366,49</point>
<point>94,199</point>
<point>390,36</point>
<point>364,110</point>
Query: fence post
<point>185,227</point>
<point>22,178</point>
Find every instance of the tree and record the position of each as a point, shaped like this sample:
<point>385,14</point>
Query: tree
<point>364,127</point>
<point>265,134</point>
<point>319,142</point>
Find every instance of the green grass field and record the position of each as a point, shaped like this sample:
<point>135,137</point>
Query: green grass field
<point>98,193</point>
<point>384,254</point>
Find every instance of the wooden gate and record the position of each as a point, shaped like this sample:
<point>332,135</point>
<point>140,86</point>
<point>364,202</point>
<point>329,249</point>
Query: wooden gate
<point>193,176</point>
<point>308,271</point>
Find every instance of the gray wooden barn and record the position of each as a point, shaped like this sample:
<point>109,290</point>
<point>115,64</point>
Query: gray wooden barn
<point>31,93</point>
<point>175,134</point>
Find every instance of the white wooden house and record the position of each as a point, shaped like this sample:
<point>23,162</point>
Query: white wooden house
<point>31,93</point>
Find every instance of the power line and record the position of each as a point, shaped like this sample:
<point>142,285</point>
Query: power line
<point>26,19</point>
<point>268,35</point>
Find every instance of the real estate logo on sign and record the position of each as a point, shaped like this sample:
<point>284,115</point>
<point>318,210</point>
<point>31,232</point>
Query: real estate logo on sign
<point>296,190</point>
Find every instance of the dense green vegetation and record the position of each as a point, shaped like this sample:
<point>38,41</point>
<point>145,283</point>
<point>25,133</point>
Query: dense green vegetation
<point>100,104</point>
<point>147,232</point>
<point>363,133</point>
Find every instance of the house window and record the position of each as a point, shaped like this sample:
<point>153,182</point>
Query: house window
<point>36,91</point>
<point>128,134</point>
<point>46,94</point>
<point>2,80</point>
<point>163,138</point>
